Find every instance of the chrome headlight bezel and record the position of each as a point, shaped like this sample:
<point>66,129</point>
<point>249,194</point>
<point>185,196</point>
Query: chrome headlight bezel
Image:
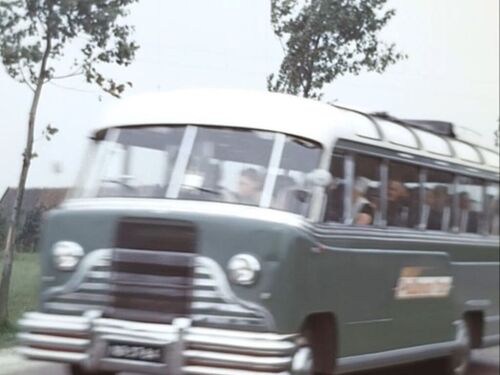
<point>243,269</point>
<point>66,255</point>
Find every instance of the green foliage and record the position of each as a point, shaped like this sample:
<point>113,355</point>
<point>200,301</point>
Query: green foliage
<point>28,235</point>
<point>33,29</point>
<point>25,281</point>
<point>3,230</point>
<point>325,39</point>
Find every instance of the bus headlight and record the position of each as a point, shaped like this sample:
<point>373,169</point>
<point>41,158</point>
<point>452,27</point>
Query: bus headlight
<point>243,269</point>
<point>66,255</point>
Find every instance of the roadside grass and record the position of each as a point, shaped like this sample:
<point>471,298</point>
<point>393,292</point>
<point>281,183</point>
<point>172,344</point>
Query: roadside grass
<point>23,293</point>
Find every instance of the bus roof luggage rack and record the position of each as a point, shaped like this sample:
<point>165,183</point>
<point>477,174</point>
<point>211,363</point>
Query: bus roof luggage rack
<point>434,126</point>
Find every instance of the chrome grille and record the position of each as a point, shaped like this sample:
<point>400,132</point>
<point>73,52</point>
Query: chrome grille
<point>215,305</point>
<point>211,300</point>
<point>150,286</point>
<point>87,290</point>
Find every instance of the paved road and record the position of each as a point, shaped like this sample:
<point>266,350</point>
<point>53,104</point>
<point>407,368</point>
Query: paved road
<point>485,362</point>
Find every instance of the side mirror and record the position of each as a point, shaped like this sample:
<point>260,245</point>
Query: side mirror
<point>319,178</point>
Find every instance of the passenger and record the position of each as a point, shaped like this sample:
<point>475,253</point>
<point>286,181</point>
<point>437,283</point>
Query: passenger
<point>282,188</point>
<point>398,207</point>
<point>249,187</point>
<point>335,204</point>
<point>468,218</point>
<point>439,214</point>
<point>495,219</point>
<point>362,209</point>
<point>373,195</point>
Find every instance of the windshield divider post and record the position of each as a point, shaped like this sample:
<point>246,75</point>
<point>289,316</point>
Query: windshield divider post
<point>111,138</point>
<point>274,164</point>
<point>349,167</point>
<point>182,161</point>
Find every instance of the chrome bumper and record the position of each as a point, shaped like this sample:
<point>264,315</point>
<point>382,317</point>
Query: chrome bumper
<point>191,350</point>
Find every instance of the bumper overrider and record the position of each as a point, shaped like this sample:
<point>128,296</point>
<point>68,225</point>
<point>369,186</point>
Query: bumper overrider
<point>97,343</point>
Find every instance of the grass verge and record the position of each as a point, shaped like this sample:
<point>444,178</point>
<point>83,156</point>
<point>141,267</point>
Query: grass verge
<point>23,293</point>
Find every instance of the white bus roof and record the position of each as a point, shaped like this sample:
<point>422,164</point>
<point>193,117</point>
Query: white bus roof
<point>289,114</point>
<point>230,108</point>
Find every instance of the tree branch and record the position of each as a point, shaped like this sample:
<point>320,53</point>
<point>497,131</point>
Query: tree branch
<point>25,81</point>
<point>79,72</point>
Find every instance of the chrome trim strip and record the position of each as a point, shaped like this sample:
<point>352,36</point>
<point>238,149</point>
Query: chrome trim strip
<point>53,341</point>
<point>51,317</point>
<point>336,230</point>
<point>478,303</point>
<point>226,293</point>
<point>237,360</point>
<point>394,357</point>
<point>492,263</point>
<point>492,318</point>
<point>245,346</point>
<point>82,272</point>
<point>265,336</point>
<point>386,320</point>
<point>491,340</point>
<point>361,234</point>
<point>203,370</point>
<point>52,355</point>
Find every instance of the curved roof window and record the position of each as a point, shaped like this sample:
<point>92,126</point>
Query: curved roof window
<point>398,134</point>
<point>433,143</point>
<point>365,127</point>
<point>466,152</point>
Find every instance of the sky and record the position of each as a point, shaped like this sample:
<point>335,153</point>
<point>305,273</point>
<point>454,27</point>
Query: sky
<point>452,73</point>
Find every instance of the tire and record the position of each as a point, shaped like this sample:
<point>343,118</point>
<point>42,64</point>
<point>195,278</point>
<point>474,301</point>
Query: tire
<point>458,363</point>
<point>79,370</point>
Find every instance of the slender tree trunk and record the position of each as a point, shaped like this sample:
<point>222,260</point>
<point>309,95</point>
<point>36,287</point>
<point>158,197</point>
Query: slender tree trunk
<point>16,212</point>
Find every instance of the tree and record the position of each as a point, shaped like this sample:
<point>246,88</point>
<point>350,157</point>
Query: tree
<point>325,39</point>
<point>34,36</point>
<point>30,231</point>
<point>3,228</point>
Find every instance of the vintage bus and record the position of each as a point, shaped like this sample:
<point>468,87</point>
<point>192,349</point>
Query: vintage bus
<point>247,233</point>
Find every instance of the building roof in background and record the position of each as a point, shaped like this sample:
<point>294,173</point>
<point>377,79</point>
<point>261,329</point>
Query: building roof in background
<point>33,198</point>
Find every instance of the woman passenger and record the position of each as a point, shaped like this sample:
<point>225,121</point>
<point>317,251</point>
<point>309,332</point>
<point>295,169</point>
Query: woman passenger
<point>362,209</point>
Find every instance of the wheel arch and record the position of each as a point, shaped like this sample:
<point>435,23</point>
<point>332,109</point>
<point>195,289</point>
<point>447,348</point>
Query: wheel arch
<point>474,321</point>
<point>321,332</point>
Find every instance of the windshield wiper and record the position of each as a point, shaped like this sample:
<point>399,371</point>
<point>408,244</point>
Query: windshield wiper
<point>203,189</point>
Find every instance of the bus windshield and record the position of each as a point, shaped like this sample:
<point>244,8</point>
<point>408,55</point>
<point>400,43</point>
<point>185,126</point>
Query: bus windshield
<point>230,165</point>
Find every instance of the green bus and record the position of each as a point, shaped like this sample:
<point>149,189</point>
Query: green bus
<point>246,233</point>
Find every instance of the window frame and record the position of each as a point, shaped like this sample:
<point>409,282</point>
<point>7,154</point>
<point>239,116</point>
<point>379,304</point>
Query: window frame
<point>349,155</point>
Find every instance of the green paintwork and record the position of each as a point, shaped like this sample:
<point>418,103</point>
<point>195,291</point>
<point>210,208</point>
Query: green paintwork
<point>356,286</point>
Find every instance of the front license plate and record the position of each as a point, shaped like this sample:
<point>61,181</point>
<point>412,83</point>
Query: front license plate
<point>136,352</point>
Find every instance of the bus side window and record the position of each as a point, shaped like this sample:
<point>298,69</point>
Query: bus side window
<point>403,191</point>
<point>438,199</point>
<point>365,193</point>
<point>492,209</point>
<point>334,209</point>
<point>469,216</point>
